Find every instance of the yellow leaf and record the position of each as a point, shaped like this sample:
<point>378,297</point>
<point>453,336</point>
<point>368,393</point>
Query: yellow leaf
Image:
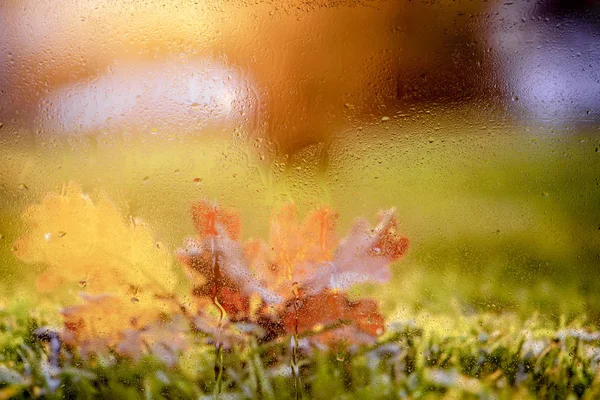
<point>90,243</point>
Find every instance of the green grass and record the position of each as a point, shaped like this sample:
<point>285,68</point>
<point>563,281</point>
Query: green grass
<point>484,356</point>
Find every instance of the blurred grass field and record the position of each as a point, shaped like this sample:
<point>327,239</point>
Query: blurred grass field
<point>500,217</point>
<point>498,220</point>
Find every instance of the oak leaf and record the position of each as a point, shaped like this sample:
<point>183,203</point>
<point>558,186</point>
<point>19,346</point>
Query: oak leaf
<point>89,243</point>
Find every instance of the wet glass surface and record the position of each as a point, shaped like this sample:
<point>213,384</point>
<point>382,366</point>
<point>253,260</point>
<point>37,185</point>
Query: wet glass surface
<point>347,199</point>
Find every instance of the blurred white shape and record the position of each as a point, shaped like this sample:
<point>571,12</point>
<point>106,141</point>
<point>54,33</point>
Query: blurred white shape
<point>155,97</point>
<point>550,62</point>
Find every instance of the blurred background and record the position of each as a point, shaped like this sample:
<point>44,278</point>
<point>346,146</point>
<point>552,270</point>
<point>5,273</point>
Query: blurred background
<point>478,120</point>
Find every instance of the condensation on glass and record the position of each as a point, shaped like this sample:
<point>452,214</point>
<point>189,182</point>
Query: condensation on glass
<point>300,176</point>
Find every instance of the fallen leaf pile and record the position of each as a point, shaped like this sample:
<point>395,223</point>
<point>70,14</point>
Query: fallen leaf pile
<point>294,283</point>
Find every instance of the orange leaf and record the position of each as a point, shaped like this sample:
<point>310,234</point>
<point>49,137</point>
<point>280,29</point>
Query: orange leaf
<point>318,231</point>
<point>364,255</point>
<point>262,262</point>
<point>362,317</point>
<point>305,265</point>
<point>300,245</point>
<point>208,217</point>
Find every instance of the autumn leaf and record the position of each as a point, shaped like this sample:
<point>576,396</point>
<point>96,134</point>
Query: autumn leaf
<point>295,247</point>
<point>165,339</point>
<point>299,245</point>
<point>216,260</point>
<point>104,322</point>
<point>90,244</point>
<point>365,255</point>
<point>98,322</point>
<point>261,261</point>
<point>209,218</point>
<point>303,263</point>
<point>357,321</point>
<point>255,269</point>
<point>318,230</point>
<point>309,251</point>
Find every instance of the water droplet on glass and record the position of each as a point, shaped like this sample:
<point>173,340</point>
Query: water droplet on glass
<point>82,283</point>
<point>135,300</point>
<point>383,119</point>
<point>146,178</point>
<point>61,233</point>
<point>23,186</point>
